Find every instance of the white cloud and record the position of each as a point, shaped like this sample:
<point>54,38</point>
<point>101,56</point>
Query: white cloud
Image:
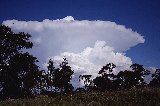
<point>74,35</point>
<point>151,69</point>
<point>68,18</point>
<point>91,60</point>
<point>75,39</point>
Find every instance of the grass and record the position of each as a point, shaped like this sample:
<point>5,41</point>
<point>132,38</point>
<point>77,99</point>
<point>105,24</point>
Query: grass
<point>134,97</point>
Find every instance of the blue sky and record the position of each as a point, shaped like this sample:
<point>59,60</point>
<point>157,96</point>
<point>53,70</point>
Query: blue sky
<point>143,16</point>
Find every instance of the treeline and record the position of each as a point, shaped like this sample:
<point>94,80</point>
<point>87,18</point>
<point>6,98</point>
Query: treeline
<point>20,76</point>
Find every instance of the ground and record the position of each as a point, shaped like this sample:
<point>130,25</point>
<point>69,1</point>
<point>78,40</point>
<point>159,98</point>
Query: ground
<point>133,97</point>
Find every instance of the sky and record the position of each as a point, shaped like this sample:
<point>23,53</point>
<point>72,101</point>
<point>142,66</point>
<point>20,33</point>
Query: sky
<point>89,32</point>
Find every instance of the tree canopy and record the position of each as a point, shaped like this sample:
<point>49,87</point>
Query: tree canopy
<point>17,68</point>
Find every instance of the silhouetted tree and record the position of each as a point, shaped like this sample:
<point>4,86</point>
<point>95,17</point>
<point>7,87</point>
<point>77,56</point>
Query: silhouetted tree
<point>88,82</point>
<point>100,83</point>
<point>60,77</point>
<point>18,69</point>
<point>41,81</point>
<point>23,66</point>
<point>86,79</point>
<point>104,82</point>
<point>51,75</point>
<point>155,82</point>
<point>139,73</point>
<point>128,79</point>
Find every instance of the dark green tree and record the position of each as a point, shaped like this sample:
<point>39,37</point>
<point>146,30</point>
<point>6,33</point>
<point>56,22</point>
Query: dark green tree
<point>139,73</point>
<point>88,82</point>
<point>155,82</point>
<point>60,78</point>
<point>18,69</point>
<point>51,73</point>
<point>105,81</point>
<point>128,79</point>
<point>100,83</point>
<point>50,76</point>
<point>24,72</point>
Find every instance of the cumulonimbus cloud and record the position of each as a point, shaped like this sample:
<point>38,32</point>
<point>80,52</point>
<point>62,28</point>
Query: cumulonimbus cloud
<point>91,60</point>
<point>68,34</point>
<point>88,45</point>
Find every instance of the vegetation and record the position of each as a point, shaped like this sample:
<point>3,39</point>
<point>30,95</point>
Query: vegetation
<point>21,79</point>
<point>18,69</point>
<point>133,97</point>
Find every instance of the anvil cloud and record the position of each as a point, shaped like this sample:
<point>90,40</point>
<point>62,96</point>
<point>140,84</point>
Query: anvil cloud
<point>88,45</point>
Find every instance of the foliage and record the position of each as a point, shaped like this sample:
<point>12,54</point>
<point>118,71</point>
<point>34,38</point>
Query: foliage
<point>104,82</point>
<point>17,68</point>
<point>59,78</point>
<point>156,79</point>
<point>87,80</point>
<point>134,97</point>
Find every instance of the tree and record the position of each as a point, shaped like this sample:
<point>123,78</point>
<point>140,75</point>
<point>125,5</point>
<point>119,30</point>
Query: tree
<point>104,82</point>
<point>24,72</point>
<point>11,44</point>
<point>139,73</point>
<point>50,74</point>
<point>18,69</point>
<point>155,82</point>
<point>128,79</point>
<point>60,77</point>
<point>100,83</point>
<point>87,81</point>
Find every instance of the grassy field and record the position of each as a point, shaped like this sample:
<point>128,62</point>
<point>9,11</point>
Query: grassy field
<point>134,97</point>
